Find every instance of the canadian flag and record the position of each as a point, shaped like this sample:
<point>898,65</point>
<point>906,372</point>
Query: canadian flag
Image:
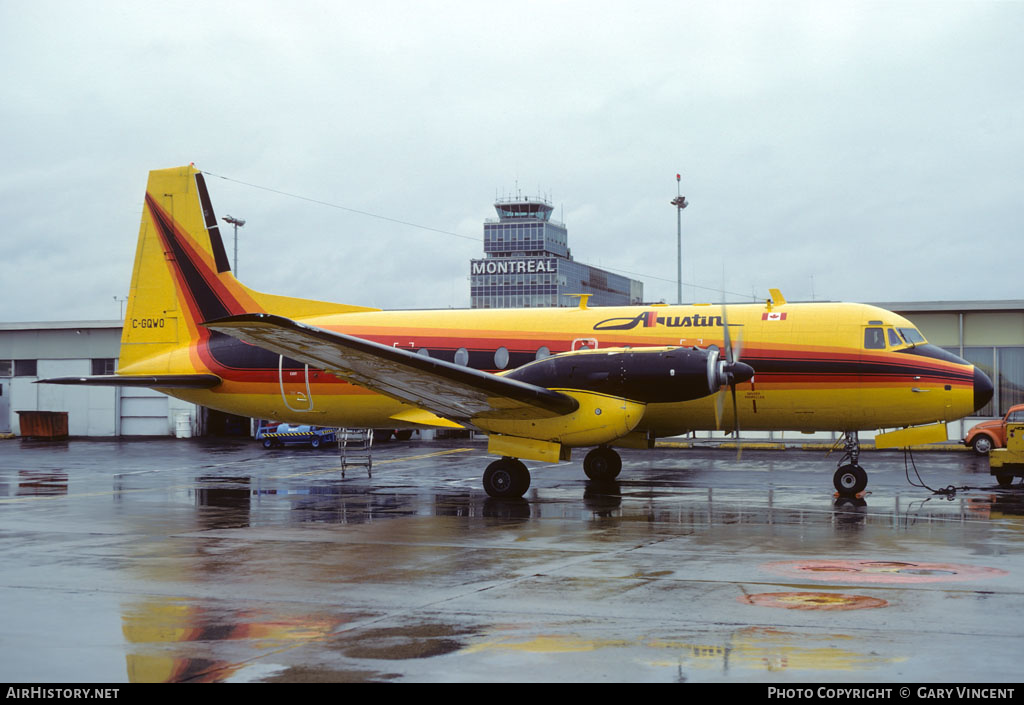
<point>773,316</point>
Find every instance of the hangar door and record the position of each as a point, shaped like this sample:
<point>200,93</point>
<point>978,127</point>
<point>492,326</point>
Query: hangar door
<point>144,412</point>
<point>5,407</point>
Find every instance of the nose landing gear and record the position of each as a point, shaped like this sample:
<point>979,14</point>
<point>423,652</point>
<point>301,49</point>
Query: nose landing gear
<point>850,479</point>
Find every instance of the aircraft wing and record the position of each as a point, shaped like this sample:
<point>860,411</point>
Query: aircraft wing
<point>451,391</point>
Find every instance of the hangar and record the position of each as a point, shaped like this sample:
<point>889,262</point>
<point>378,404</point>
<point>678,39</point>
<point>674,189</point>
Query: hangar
<point>989,334</point>
<point>31,351</point>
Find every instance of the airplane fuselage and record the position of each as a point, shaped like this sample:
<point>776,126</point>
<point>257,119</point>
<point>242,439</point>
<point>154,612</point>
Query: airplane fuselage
<point>813,369</point>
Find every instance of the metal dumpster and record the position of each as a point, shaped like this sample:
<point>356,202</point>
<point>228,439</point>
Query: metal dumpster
<point>43,424</point>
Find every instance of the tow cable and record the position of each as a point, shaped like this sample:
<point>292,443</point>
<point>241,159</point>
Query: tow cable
<point>908,461</point>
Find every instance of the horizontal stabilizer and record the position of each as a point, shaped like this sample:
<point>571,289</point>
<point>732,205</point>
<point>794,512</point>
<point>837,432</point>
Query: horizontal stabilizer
<point>196,381</point>
<point>451,391</point>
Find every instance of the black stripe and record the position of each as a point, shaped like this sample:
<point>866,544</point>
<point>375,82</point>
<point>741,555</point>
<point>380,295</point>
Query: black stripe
<point>216,244</point>
<point>934,352</point>
<point>210,305</point>
<point>853,367</point>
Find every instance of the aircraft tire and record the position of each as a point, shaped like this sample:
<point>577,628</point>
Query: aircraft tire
<point>850,480</point>
<point>602,464</point>
<point>507,478</point>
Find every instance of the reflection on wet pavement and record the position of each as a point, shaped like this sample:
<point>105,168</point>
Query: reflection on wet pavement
<point>174,562</point>
<point>37,483</point>
<point>169,641</point>
<point>813,601</point>
<point>409,641</point>
<point>766,649</point>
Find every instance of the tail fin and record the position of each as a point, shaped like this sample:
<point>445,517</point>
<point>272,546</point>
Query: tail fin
<point>182,276</point>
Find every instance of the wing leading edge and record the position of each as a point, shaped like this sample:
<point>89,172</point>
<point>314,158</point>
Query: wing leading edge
<point>451,391</point>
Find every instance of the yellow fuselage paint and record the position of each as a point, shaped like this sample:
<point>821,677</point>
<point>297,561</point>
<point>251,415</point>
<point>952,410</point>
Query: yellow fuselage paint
<point>805,396</point>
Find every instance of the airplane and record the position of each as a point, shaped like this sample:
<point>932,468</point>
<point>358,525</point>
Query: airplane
<point>537,382</point>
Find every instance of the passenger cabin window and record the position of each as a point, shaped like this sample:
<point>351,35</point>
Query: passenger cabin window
<point>874,339</point>
<point>501,358</point>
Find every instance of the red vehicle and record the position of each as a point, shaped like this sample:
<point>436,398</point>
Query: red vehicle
<point>987,435</point>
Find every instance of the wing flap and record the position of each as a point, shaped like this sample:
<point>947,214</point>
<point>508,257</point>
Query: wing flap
<point>451,391</point>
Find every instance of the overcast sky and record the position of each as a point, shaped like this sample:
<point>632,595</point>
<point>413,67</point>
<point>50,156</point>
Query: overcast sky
<point>861,151</point>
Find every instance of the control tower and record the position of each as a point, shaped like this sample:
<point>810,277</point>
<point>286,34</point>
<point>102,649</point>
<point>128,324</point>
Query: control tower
<point>527,263</point>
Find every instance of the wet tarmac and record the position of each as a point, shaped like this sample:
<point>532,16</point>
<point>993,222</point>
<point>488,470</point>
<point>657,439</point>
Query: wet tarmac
<point>200,560</point>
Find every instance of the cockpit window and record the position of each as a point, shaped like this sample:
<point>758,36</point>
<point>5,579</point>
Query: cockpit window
<point>874,339</point>
<point>912,336</point>
<point>894,339</point>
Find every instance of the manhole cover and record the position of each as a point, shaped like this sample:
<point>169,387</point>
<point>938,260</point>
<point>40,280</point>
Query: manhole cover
<point>881,571</point>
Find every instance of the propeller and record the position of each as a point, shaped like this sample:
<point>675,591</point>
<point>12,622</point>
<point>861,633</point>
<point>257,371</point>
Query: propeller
<point>727,372</point>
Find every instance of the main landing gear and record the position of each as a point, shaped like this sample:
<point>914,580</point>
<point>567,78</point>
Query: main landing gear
<point>508,478</point>
<point>850,479</point>
<point>602,464</point>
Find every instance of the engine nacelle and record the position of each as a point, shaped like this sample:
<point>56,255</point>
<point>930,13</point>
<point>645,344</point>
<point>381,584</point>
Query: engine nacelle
<point>649,375</point>
<point>598,419</point>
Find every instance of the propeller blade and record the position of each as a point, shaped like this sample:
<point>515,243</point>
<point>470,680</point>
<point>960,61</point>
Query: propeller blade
<point>735,412</point>
<point>736,423</point>
<point>732,370</point>
<point>718,409</point>
<point>727,342</point>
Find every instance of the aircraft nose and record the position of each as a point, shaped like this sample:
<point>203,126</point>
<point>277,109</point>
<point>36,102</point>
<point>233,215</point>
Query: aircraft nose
<point>982,389</point>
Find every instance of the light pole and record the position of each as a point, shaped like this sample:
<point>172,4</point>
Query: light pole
<point>680,203</point>
<point>237,222</point>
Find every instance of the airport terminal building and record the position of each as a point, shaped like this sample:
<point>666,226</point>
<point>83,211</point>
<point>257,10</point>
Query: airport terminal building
<point>527,263</point>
